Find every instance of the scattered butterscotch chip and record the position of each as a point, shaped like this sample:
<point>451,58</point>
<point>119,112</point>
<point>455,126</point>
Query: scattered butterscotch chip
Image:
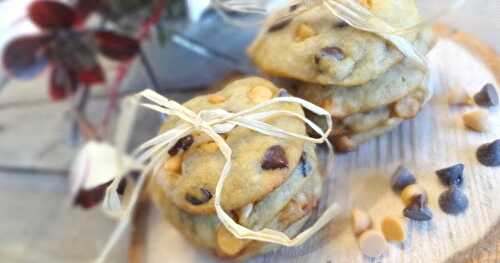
<point>477,120</point>
<point>216,99</point>
<point>393,229</point>
<point>360,221</point>
<point>260,94</point>
<point>458,96</point>
<point>173,164</point>
<point>304,32</point>
<point>229,244</point>
<point>372,243</point>
<point>410,192</point>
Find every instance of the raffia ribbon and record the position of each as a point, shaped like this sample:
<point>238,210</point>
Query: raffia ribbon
<point>214,122</point>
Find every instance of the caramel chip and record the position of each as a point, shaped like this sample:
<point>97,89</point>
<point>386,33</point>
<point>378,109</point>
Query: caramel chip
<point>393,229</point>
<point>229,244</point>
<point>304,32</point>
<point>260,94</point>
<point>360,221</point>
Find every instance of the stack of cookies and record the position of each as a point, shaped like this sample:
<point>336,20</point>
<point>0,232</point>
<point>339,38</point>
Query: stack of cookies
<point>273,182</point>
<point>363,80</point>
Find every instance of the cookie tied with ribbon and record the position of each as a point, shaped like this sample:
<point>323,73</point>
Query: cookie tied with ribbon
<point>232,168</point>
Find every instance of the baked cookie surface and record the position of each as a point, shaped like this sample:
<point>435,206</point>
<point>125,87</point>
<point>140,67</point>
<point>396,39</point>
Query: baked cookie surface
<point>260,163</point>
<point>317,47</point>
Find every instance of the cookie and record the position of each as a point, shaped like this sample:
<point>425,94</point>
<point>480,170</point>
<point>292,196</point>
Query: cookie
<point>317,47</point>
<point>260,163</point>
<point>289,208</point>
<point>391,86</point>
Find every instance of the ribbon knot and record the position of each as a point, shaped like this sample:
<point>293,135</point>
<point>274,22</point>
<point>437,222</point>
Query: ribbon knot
<point>213,122</point>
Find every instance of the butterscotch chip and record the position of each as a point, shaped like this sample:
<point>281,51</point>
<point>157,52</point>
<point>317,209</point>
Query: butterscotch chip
<point>407,107</point>
<point>229,244</point>
<point>216,99</point>
<point>458,96</point>
<point>366,3</point>
<point>410,192</point>
<point>393,229</point>
<point>478,120</point>
<point>360,221</point>
<point>173,164</point>
<point>372,243</point>
<point>304,32</point>
<point>210,147</point>
<point>260,94</point>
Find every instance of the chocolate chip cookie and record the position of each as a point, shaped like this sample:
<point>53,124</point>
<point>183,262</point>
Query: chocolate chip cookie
<point>317,47</point>
<point>260,163</point>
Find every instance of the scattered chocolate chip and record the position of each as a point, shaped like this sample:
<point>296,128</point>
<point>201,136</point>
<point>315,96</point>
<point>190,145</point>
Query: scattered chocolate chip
<point>183,143</point>
<point>401,179</point>
<point>283,93</point>
<point>197,201</point>
<point>489,154</point>
<point>341,24</point>
<point>280,24</point>
<point>452,175</point>
<point>453,201</point>
<point>487,97</point>
<point>294,7</point>
<point>274,158</point>
<point>304,165</point>
<point>122,186</point>
<point>418,209</point>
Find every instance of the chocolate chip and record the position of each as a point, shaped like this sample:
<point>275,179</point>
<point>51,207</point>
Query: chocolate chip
<point>183,143</point>
<point>294,7</point>
<point>274,158</point>
<point>452,175</point>
<point>489,154</point>
<point>341,24</point>
<point>279,25</point>
<point>487,97</point>
<point>283,93</point>
<point>333,51</point>
<point>418,209</point>
<point>305,167</point>
<point>453,201</point>
<point>206,196</point>
<point>401,179</point>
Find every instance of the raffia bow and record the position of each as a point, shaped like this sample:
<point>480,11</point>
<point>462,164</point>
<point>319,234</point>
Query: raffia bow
<point>212,123</point>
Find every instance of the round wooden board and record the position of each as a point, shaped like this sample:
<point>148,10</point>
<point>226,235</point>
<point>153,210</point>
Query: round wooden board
<point>435,139</point>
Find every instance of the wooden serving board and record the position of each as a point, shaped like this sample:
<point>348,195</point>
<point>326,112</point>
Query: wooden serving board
<point>433,140</point>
